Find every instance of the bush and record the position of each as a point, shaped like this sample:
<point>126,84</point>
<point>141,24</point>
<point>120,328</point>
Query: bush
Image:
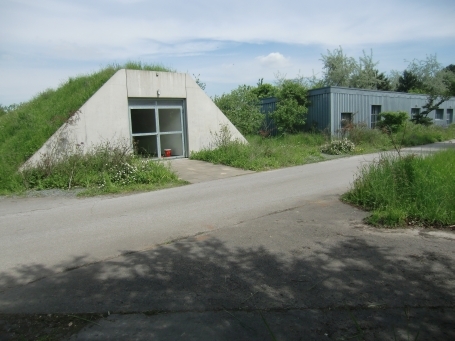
<point>289,117</point>
<point>392,121</point>
<point>264,90</point>
<point>338,147</point>
<point>290,114</point>
<point>241,107</point>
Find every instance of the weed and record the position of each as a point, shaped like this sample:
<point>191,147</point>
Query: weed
<point>222,138</point>
<point>338,147</point>
<point>407,190</point>
<point>106,168</point>
<point>264,153</point>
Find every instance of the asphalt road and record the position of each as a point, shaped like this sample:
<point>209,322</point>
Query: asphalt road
<point>60,233</point>
<point>272,255</point>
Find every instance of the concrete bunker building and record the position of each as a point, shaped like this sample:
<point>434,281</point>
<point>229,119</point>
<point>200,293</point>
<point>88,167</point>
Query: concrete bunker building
<point>160,113</point>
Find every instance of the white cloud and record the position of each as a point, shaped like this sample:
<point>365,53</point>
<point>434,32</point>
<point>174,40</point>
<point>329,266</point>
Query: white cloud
<point>274,60</point>
<point>98,32</point>
<point>93,23</point>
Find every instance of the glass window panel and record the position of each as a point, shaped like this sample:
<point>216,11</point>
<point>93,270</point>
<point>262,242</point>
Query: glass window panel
<point>439,115</point>
<point>143,121</point>
<point>170,119</point>
<point>173,142</point>
<point>145,145</point>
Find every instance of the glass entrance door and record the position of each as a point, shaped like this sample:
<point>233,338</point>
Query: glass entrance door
<point>157,129</point>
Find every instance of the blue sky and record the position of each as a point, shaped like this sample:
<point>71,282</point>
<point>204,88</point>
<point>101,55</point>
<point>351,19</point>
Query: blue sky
<point>227,43</point>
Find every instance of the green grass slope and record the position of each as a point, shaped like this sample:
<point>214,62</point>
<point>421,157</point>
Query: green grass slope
<point>24,130</point>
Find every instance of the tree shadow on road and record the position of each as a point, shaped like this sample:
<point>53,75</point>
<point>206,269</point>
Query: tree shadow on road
<point>350,289</point>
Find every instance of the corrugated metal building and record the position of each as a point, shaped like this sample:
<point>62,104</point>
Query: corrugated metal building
<point>331,106</point>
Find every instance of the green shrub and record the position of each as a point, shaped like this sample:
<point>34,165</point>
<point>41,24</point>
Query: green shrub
<point>289,117</point>
<point>290,114</point>
<point>241,107</point>
<point>392,121</point>
<point>264,90</point>
<point>338,147</point>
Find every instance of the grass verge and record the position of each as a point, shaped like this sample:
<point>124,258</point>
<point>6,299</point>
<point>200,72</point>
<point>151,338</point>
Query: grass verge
<point>266,153</point>
<point>292,150</point>
<point>407,190</point>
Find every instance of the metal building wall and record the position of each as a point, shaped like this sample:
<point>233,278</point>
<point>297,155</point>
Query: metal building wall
<point>319,111</point>
<point>267,107</point>
<point>332,101</point>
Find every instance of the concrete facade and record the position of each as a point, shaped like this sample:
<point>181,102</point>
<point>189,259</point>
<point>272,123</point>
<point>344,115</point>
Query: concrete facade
<point>105,117</point>
<point>330,103</point>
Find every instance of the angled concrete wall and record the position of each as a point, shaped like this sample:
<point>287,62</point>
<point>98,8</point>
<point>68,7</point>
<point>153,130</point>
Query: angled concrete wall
<point>204,118</point>
<point>105,116</point>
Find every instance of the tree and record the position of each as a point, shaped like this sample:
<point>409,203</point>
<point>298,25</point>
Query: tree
<point>241,107</point>
<point>451,82</point>
<point>341,70</point>
<point>338,68</point>
<point>408,82</point>
<point>383,82</point>
<point>435,81</point>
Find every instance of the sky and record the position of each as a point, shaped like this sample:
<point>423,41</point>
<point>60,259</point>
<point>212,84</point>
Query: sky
<point>224,43</point>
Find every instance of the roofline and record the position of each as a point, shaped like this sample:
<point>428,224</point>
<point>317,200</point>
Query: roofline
<point>328,89</point>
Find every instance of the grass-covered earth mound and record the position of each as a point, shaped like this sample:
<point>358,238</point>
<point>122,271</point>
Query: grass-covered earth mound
<point>26,128</point>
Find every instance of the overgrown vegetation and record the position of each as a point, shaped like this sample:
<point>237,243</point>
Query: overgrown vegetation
<point>338,147</point>
<point>107,168</point>
<point>25,128</point>
<point>407,190</point>
<point>393,133</point>
<point>241,107</point>
<point>392,121</point>
<point>264,153</point>
<point>290,114</point>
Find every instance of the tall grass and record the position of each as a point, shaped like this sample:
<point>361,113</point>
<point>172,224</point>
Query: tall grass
<point>24,130</point>
<point>373,140</point>
<point>410,189</point>
<point>266,153</point>
<point>107,168</point>
<point>417,134</point>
